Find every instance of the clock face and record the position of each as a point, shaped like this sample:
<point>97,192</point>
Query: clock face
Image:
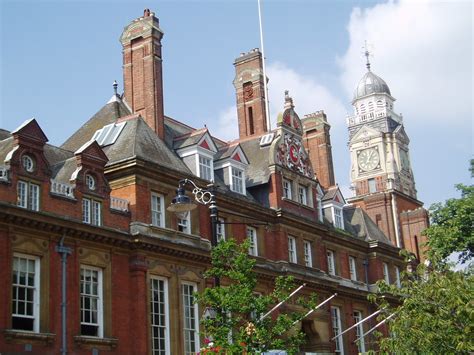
<point>368,159</point>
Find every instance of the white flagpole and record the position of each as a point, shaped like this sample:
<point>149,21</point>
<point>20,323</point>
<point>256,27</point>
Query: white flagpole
<point>267,113</point>
<point>279,304</point>
<point>319,305</point>
<point>359,322</point>
<point>376,326</point>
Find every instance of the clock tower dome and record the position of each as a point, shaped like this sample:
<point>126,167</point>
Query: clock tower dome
<point>381,172</point>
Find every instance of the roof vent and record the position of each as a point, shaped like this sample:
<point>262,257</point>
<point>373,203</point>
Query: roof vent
<point>266,139</point>
<point>108,134</point>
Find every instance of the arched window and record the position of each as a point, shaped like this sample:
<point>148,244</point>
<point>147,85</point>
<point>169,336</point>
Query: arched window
<point>371,106</point>
<point>362,108</point>
<point>379,103</point>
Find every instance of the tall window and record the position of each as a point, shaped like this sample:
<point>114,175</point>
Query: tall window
<point>386,276</point>
<point>237,180</point>
<point>338,217</point>
<point>221,229</point>
<point>308,259</point>
<point>91,302</point>
<point>28,195</point>
<point>91,212</point>
<point>26,292</point>
<point>320,209</point>
<point>372,186</point>
<point>336,328</point>
<point>292,249</point>
<point>397,277</point>
<point>160,342</point>
<point>359,331</point>
<point>205,168</point>
<point>331,266</point>
<point>352,268</point>
<point>157,210</point>
<point>190,319</point>
<point>252,237</point>
<point>184,222</point>
<point>302,195</point>
<point>287,189</point>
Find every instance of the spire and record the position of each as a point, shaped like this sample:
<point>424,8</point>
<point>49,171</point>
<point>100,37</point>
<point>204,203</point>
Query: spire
<point>288,100</point>
<point>367,54</point>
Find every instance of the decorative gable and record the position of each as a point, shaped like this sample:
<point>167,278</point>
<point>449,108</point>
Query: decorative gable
<point>290,153</point>
<point>364,133</point>
<point>31,131</point>
<point>289,118</point>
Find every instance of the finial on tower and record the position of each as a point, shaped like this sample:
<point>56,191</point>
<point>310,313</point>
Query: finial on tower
<point>146,12</point>
<point>367,54</point>
<point>115,85</point>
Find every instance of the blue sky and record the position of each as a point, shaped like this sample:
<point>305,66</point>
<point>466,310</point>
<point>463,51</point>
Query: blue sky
<point>59,59</point>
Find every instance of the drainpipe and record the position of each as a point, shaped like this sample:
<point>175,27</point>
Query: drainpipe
<point>366,268</point>
<point>64,251</point>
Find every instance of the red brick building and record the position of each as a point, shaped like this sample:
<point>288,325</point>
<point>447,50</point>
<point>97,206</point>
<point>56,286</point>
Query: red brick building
<point>132,266</point>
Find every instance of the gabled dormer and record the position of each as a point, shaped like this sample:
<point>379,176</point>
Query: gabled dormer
<point>333,203</point>
<point>197,150</point>
<point>230,165</point>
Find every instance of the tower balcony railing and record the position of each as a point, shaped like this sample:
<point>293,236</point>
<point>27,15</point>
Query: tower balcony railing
<point>119,204</point>
<point>62,188</point>
<point>372,115</point>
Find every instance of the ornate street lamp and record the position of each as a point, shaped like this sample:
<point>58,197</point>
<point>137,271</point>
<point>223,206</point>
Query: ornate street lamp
<point>182,204</point>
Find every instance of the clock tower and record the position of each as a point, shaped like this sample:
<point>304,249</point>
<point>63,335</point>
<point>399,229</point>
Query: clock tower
<point>381,172</point>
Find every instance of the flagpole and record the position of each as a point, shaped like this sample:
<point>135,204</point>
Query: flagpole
<point>265,89</point>
<point>279,304</point>
<point>376,326</point>
<point>355,325</point>
<point>319,305</point>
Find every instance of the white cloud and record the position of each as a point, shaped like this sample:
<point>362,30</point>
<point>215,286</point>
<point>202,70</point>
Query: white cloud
<point>423,50</point>
<point>226,127</point>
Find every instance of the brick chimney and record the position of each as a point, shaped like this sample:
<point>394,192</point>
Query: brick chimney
<point>142,69</point>
<point>250,94</point>
<point>317,141</point>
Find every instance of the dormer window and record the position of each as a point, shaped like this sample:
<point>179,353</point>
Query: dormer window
<point>28,163</point>
<point>205,168</point>
<point>90,182</point>
<point>338,222</point>
<point>237,184</point>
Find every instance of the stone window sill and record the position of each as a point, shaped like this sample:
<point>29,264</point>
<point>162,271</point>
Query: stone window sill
<point>22,336</point>
<point>95,342</point>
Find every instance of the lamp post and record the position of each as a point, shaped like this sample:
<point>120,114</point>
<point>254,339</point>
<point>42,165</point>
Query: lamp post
<point>182,204</point>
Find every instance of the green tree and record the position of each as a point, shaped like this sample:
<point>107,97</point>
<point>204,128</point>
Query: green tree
<point>237,327</point>
<point>433,312</point>
<point>451,227</point>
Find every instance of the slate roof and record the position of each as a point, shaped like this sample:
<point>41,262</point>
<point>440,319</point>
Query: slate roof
<point>359,224</point>
<point>62,171</point>
<point>258,170</point>
<point>4,134</point>
<point>226,151</point>
<point>331,192</point>
<point>188,139</point>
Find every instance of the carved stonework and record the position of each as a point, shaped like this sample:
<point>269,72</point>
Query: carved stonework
<point>291,154</point>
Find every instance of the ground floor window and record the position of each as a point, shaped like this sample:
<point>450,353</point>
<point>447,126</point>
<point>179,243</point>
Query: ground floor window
<point>190,319</point>
<point>91,302</point>
<point>159,316</point>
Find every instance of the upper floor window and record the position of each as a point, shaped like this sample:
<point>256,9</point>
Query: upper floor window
<point>371,106</point>
<point>308,259</point>
<point>221,229</point>
<point>159,315</point>
<point>302,195</point>
<point>184,222</point>
<point>372,186</point>
<point>190,319</point>
<point>91,302</point>
<point>252,237</point>
<point>28,195</point>
<point>359,331</point>
<point>379,103</point>
<point>292,249</point>
<point>386,276</point>
<point>362,108</point>
<point>205,168</point>
<point>397,277</point>
<point>90,182</point>
<point>352,268</point>
<point>336,328</point>
<point>91,211</point>
<point>28,163</point>
<point>338,217</point>
<point>331,265</point>
<point>287,189</point>
<point>237,180</point>
<point>26,292</point>
<point>157,210</point>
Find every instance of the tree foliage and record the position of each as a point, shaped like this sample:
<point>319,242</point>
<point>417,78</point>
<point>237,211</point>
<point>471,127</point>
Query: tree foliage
<point>237,327</point>
<point>434,312</point>
<point>451,227</point>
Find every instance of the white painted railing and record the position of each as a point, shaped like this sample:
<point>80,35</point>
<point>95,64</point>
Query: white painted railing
<point>63,189</point>
<point>3,173</point>
<point>118,204</point>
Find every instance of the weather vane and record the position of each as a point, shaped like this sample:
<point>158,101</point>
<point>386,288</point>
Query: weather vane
<point>367,53</point>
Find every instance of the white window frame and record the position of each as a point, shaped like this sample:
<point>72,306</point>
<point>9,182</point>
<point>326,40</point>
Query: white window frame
<point>337,217</point>
<point>98,296</point>
<point>331,263</point>
<point>220,229</point>
<point>205,167</point>
<point>386,275</point>
<point>157,202</point>
<point>237,183</point>
<point>371,185</point>
<point>353,268</point>
<point>320,209</point>
<point>253,239</point>
<point>308,258</point>
<point>90,182</point>
<point>190,324</point>
<point>292,257</point>
<point>28,195</point>
<point>303,195</point>
<point>287,189</point>
<point>397,277</point>
<point>357,315</point>
<point>28,163</point>
<point>35,289</point>
<point>336,329</point>
<point>155,309</point>
<point>91,211</point>
<point>183,222</point>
